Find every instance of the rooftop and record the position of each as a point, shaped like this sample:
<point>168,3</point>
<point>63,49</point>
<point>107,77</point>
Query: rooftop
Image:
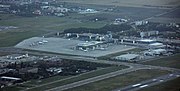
<point>11,78</point>
<point>91,43</point>
<point>156,44</point>
<point>147,40</point>
<point>128,56</point>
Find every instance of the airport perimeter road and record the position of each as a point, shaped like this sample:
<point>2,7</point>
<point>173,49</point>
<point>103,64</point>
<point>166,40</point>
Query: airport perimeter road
<point>94,79</point>
<point>150,82</point>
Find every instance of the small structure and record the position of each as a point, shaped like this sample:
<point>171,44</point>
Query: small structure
<point>17,56</point>
<point>54,70</point>
<point>157,45</point>
<point>139,23</point>
<point>119,21</point>
<point>149,33</point>
<point>88,11</point>
<point>127,57</point>
<point>7,81</point>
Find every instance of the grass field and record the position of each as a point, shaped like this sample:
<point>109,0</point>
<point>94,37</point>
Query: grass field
<point>165,20</point>
<point>132,3</point>
<point>13,37</point>
<point>171,61</point>
<point>37,26</point>
<point>44,81</point>
<point>65,81</point>
<point>172,85</point>
<point>120,81</point>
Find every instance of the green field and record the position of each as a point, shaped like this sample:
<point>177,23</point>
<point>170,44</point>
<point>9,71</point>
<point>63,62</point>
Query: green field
<point>38,26</point>
<point>170,61</point>
<point>44,81</point>
<point>129,3</point>
<point>173,85</point>
<point>63,80</point>
<point>120,81</point>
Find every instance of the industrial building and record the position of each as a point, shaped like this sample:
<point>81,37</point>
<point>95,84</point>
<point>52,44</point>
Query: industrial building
<point>149,33</point>
<point>89,36</point>
<point>8,81</point>
<point>139,23</point>
<point>127,57</point>
<point>17,56</point>
<point>155,52</point>
<point>88,11</point>
<point>147,43</point>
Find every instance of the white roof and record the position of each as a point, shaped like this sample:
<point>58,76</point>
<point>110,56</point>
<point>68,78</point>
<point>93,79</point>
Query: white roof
<point>159,50</point>
<point>156,44</point>
<point>11,78</point>
<point>128,56</point>
<point>147,40</point>
<point>89,43</point>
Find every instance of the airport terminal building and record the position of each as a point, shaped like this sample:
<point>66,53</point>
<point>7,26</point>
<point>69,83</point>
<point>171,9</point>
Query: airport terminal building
<point>92,45</point>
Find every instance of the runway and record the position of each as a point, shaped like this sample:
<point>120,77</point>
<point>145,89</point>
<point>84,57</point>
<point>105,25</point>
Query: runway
<point>94,79</point>
<point>150,82</point>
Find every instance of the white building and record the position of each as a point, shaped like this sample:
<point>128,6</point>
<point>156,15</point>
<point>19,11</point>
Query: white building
<point>155,52</point>
<point>88,11</point>
<point>148,33</point>
<point>89,45</point>
<point>139,23</point>
<point>127,57</point>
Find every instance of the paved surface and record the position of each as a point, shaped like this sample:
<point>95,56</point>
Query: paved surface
<point>65,46</point>
<point>94,79</point>
<point>150,82</point>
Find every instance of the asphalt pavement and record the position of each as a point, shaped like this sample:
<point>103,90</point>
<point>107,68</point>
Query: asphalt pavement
<point>150,82</point>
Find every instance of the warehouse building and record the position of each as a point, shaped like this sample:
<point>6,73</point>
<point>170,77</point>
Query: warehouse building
<point>155,52</point>
<point>147,43</point>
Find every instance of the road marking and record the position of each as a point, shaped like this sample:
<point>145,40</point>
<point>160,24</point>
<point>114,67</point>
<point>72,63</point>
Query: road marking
<point>143,86</point>
<point>171,75</point>
<point>161,80</point>
<point>136,85</point>
<point>154,79</point>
